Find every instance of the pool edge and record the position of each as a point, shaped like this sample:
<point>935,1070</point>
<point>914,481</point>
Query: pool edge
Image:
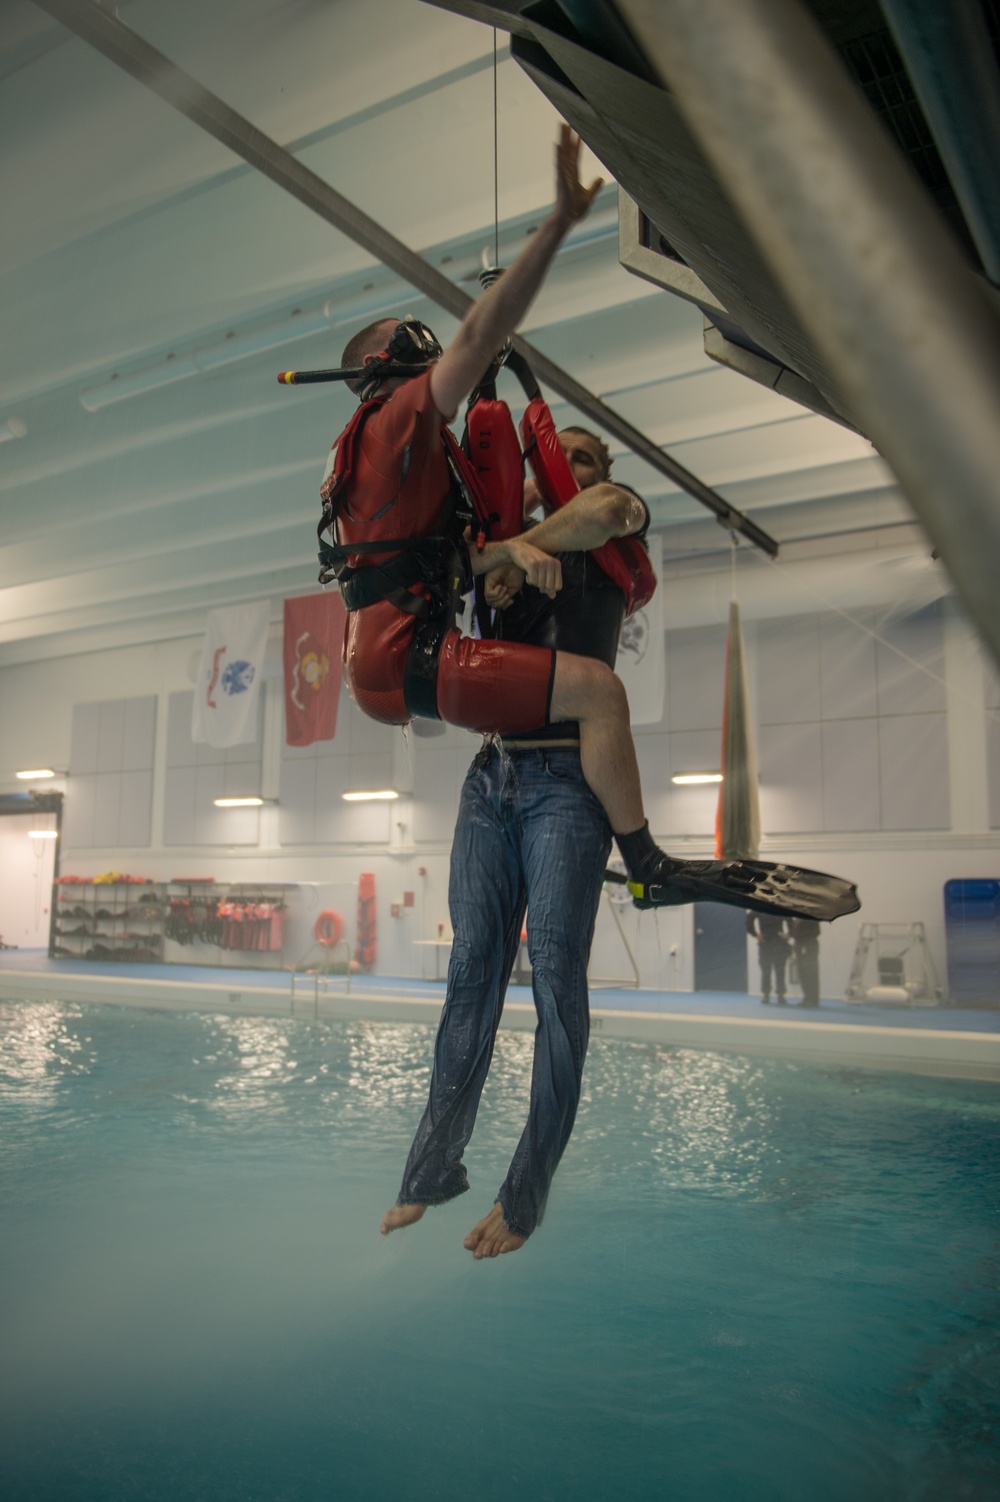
<point>952,1054</point>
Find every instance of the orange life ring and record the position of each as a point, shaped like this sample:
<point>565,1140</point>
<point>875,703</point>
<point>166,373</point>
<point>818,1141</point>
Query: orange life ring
<point>329,929</point>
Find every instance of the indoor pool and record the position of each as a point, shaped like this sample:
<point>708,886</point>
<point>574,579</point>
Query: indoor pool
<point>756,1279</point>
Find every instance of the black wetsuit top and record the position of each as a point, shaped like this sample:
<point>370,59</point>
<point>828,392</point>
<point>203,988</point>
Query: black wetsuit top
<point>585,617</point>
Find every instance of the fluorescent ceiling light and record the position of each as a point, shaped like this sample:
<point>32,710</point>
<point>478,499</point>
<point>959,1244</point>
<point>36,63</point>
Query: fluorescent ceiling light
<point>36,774</point>
<point>376,795</point>
<point>43,834</point>
<point>240,802</point>
<point>685,779</point>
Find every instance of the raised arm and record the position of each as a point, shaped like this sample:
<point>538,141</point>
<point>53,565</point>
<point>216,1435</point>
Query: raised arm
<point>499,311</point>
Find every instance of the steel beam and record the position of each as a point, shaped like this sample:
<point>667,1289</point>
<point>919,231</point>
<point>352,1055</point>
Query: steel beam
<point>110,36</point>
<point>907,330</point>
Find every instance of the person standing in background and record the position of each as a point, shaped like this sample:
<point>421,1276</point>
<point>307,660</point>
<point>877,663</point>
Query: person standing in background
<point>772,939</point>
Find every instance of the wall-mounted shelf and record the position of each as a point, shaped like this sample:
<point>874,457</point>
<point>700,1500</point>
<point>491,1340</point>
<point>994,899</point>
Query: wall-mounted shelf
<point>171,922</point>
<point>108,921</point>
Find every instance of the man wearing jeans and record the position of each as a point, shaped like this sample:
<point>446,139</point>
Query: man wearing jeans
<point>530,833</point>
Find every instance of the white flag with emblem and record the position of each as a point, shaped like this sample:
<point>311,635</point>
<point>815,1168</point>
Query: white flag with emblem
<point>641,659</point>
<point>232,664</point>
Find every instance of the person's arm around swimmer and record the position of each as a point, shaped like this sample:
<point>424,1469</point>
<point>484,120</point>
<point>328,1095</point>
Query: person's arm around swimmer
<point>601,511</point>
<point>586,522</point>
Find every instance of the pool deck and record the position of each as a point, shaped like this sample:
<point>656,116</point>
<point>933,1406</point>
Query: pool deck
<point>943,1040</point>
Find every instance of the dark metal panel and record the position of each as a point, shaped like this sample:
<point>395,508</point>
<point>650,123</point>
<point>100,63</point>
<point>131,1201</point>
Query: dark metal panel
<point>951,62</point>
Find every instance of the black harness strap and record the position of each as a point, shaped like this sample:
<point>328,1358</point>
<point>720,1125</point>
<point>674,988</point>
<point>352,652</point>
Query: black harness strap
<point>436,562</point>
<point>441,564</point>
<point>421,672</point>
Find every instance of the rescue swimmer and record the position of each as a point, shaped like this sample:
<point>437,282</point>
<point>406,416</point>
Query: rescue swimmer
<point>413,519</point>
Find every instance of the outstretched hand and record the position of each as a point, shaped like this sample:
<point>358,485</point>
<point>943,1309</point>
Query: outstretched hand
<point>573,200</point>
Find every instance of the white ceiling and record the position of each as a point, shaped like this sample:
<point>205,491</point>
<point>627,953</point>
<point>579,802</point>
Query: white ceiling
<point>135,249</point>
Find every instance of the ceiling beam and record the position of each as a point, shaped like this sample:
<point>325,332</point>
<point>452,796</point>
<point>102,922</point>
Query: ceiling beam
<point>121,45</point>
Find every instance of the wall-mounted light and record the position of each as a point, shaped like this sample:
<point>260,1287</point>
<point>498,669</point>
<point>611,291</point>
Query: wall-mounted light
<point>374,795</point>
<point>37,774</point>
<point>12,427</point>
<point>689,779</point>
<point>242,802</point>
<point>43,834</point>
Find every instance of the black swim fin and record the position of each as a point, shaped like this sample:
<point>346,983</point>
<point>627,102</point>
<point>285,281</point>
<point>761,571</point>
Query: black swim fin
<point>760,886</point>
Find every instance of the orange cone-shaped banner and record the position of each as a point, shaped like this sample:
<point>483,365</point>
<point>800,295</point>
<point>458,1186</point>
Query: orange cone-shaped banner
<point>737,819</point>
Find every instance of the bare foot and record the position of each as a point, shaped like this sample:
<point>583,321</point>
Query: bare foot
<point>489,1237</point>
<point>399,1216</point>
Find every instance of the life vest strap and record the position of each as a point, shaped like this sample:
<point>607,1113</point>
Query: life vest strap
<point>439,563</point>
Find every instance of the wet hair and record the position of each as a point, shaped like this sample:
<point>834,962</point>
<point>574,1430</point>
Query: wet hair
<point>602,448</point>
<point>370,341</point>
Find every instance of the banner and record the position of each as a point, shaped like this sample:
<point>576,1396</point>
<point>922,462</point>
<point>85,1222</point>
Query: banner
<point>314,637</point>
<point>737,819</point>
<point>641,660</point>
<point>232,663</point>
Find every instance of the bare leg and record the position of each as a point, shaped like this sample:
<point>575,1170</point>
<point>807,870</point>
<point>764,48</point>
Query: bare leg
<point>489,1236</point>
<point>400,1215</point>
<point>588,691</point>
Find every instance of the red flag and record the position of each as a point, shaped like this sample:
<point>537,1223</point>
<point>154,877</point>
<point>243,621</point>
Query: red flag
<point>314,637</point>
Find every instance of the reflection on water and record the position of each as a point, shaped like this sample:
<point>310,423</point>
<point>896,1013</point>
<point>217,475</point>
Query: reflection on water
<point>696,1119</point>
<point>253,1063</point>
<point>38,1043</point>
<point>756,1281</point>
<point>387,1062</point>
<point>317,1074</point>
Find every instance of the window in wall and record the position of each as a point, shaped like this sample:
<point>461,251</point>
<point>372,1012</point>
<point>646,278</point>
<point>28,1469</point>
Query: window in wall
<point>109,795</point>
<point>198,774</point>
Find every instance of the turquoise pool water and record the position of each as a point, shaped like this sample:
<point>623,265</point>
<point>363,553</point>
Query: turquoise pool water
<point>756,1279</point>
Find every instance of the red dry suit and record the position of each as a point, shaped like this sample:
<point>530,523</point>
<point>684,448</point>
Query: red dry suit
<point>392,477</point>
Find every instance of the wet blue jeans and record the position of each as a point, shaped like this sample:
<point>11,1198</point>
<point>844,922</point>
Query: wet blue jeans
<point>531,832</point>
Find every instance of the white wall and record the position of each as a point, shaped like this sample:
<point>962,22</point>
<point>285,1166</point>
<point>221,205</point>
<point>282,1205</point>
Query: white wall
<point>911,810</point>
